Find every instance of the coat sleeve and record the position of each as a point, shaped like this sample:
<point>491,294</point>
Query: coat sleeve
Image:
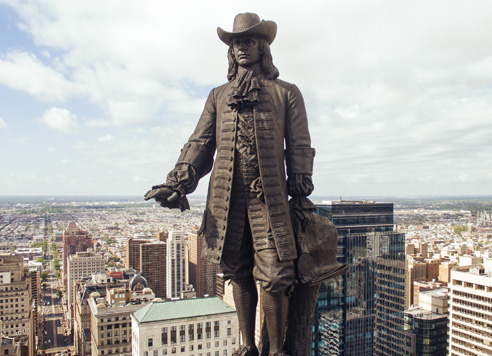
<point>299,154</point>
<point>197,156</point>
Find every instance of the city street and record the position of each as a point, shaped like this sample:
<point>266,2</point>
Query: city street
<point>55,337</point>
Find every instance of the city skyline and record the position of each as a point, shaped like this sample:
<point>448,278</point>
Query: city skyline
<point>98,98</point>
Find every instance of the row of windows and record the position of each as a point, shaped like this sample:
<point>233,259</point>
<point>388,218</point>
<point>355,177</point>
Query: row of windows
<point>470,346</point>
<point>116,326</point>
<point>111,319</point>
<point>486,307</point>
<point>116,351</point>
<point>473,296</point>
<point>470,330</point>
<point>174,350</point>
<point>472,321</point>
<point>471,313</point>
<point>116,333</point>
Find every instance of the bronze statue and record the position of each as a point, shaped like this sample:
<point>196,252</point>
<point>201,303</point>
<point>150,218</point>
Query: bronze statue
<point>257,128</point>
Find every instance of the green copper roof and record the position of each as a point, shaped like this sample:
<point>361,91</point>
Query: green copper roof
<point>178,309</point>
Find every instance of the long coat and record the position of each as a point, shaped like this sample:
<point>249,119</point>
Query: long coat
<point>283,142</point>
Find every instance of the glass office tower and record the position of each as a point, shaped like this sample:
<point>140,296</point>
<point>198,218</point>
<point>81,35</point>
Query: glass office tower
<point>361,313</point>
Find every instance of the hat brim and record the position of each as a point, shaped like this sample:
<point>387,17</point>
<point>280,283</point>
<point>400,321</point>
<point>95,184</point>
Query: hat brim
<point>265,29</point>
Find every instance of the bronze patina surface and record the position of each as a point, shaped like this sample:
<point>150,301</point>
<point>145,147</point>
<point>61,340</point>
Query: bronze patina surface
<point>256,127</point>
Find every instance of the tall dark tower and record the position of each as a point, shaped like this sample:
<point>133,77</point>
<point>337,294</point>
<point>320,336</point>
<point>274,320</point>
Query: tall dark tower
<point>361,312</point>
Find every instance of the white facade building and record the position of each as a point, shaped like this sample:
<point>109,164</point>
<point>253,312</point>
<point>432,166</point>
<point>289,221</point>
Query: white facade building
<point>189,327</point>
<point>176,264</point>
<point>82,265</point>
<point>470,326</point>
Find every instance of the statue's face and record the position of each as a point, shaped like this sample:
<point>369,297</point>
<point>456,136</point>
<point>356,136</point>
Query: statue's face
<point>246,51</point>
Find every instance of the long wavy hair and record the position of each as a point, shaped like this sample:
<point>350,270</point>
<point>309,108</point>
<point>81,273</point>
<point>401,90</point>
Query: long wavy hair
<point>266,61</point>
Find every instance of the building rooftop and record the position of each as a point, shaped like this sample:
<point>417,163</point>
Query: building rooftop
<point>187,308</point>
<point>420,313</point>
<point>439,292</point>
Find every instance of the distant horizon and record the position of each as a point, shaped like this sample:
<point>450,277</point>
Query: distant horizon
<point>199,196</point>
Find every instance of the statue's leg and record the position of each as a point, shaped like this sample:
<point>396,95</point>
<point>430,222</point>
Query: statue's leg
<point>276,307</point>
<point>276,279</point>
<point>245,299</point>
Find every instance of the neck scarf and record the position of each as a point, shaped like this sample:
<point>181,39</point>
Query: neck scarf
<point>246,91</point>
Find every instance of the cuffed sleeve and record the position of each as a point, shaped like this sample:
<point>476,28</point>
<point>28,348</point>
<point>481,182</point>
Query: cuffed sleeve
<point>300,185</point>
<point>183,179</point>
<point>300,160</point>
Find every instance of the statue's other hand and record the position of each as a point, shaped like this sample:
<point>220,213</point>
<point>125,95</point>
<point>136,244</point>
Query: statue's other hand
<point>167,197</point>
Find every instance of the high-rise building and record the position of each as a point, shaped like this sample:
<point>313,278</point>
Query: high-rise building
<point>74,240</point>
<point>153,266</point>
<point>361,312</point>
<point>81,266</point>
<point>445,271</point>
<point>202,274</point>
<point>133,252</point>
<point>16,298</point>
<point>176,264</point>
<point>470,318</point>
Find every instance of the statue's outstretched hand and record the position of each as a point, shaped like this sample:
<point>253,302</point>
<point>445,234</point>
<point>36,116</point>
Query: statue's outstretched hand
<point>167,197</point>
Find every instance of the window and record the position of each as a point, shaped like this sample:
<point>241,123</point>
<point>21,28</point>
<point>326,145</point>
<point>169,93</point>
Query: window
<point>156,353</point>
<point>191,332</point>
<point>173,334</point>
<point>164,336</point>
<point>164,352</point>
<point>229,331</point>
<point>150,342</point>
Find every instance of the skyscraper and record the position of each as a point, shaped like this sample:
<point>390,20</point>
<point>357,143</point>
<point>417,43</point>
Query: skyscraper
<point>16,298</point>
<point>361,312</point>
<point>74,240</point>
<point>133,252</point>
<point>153,266</point>
<point>470,318</point>
<point>202,274</point>
<point>176,264</point>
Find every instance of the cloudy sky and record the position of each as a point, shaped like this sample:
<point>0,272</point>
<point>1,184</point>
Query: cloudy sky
<point>98,96</point>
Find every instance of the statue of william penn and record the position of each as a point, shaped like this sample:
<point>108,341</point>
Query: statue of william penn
<point>253,135</point>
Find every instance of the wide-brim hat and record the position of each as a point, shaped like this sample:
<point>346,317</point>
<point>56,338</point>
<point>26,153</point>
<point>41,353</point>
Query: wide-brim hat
<point>249,24</point>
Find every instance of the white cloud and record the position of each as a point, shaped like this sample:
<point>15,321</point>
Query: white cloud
<point>105,138</point>
<point>60,119</point>
<point>3,124</point>
<point>398,93</point>
<point>65,161</point>
<point>23,71</point>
